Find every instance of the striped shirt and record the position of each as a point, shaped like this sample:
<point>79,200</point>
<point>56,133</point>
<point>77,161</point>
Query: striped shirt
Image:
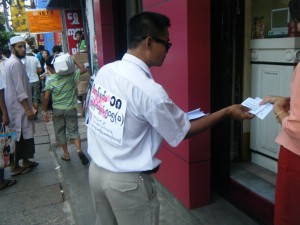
<point>63,90</point>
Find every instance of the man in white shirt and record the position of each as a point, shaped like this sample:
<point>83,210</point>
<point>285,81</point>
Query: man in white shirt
<point>19,107</point>
<point>129,116</point>
<point>33,68</point>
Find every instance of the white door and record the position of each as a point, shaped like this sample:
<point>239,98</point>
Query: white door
<point>267,80</point>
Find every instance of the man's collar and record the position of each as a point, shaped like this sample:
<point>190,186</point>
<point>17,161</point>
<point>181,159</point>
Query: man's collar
<point>138,62</point>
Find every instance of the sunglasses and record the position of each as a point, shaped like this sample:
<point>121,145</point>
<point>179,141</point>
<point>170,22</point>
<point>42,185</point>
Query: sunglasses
<point>167,44</point>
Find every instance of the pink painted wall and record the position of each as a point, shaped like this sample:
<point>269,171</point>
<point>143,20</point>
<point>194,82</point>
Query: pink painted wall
<point>104,31</point>
<point>185,170</point>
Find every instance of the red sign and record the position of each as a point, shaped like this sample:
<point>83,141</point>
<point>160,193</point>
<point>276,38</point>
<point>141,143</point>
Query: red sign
<point>57,38</point>
<point>74,22</point>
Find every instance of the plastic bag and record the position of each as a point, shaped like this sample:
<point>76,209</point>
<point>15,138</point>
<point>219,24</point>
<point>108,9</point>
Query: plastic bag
<point>7,146</point>
<point>63,64</point>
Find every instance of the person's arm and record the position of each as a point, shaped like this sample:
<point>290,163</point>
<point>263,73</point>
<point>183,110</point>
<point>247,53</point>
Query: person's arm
<point>5,117</point>
<point>80,66</point>
<point>39,70</point>
<point>236,112</point>
<point>281,106</point>
<point>46,100</point>
<point>28,110</point>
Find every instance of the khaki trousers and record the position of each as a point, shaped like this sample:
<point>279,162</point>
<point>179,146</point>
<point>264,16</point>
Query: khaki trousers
<point>123,198</point>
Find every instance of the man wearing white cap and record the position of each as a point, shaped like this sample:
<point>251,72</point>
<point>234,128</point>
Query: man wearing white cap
<point>19,106</point>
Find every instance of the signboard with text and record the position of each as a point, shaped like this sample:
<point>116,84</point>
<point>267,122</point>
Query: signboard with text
<point>74,23</point>
<point>18,17</point>
<point>42,21</point>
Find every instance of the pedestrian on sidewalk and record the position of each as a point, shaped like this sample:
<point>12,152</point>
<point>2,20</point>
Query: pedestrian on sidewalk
<point>4,121</point>
<point>33,68</point>
<point>129,115</point>
<point>62,88</point>
<point>19,107</point>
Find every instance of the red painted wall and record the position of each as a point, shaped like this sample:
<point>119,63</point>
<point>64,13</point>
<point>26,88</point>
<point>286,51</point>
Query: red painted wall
<point>185,170</point>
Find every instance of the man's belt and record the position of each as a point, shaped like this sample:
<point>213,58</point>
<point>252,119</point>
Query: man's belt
<point>154,170</point>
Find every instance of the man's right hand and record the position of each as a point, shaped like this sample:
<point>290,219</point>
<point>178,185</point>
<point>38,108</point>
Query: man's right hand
<point>30,114</point>
<point>5,119</point>
<point>239,112</point>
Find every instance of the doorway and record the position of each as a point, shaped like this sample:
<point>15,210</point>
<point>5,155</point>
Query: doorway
<point>227,86</point>
<point>231,156</point>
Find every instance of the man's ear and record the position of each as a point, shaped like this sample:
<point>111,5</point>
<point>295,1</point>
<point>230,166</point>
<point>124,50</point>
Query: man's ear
<point>148,41</point>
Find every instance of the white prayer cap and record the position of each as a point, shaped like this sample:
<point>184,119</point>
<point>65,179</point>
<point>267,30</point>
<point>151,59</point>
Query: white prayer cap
<point>16,39</point>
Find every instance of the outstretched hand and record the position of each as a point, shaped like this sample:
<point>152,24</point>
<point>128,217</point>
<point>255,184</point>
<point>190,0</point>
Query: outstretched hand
<point>239,112</point>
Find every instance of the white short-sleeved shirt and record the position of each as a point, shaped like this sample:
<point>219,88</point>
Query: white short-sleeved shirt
<point>2,62</point>
<point>2,83</point>
<point>31,66</point>
<point>150,117</point>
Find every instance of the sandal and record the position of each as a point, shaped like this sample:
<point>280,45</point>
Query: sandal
<point>33,164</point>
<point>20,171</point>
<point>65,159</point>
<point>7,183</point>
<point>83,158</point>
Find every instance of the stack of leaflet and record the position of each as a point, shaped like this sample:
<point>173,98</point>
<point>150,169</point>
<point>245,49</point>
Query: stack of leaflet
<point>195,114</point>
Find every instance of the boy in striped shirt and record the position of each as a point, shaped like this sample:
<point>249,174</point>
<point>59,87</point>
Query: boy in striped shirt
<point>62,88</point>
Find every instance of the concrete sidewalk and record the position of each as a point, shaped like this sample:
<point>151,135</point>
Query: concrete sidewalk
<point>57,192</point>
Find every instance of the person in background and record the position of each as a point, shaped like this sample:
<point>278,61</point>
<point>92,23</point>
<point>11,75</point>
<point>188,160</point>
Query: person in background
<point>129,116</point>
<point>19,107</point>
<point>43,75</point>
<point>4,121</point>
<point>6,52</point>
<point>35,52</point>
<point>38,55</point>
<point>81,41</point>
<point>62,88</point>
<point>2,61</point>
<point>57,50</point>
<point>33,68</point>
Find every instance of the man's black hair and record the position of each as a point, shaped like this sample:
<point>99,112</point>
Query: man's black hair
<point>146,24</point>
<point>80,33</point>
<point>49,61</point>
<point>56,49</point>
<point>41,47</point>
